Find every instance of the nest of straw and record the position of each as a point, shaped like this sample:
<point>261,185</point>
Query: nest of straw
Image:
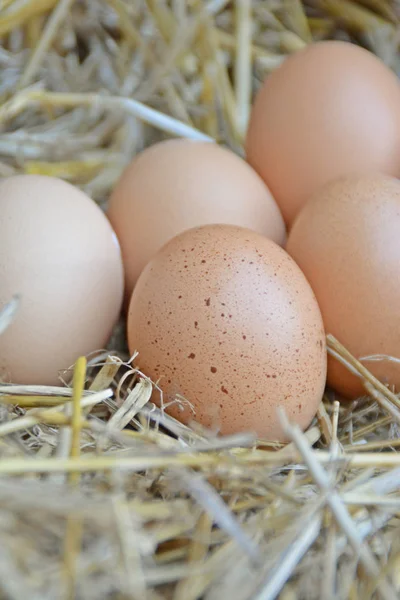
<point>102,495</point>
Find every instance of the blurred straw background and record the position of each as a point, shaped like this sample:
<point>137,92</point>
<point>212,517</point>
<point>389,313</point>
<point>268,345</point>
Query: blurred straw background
<point>101,494</point>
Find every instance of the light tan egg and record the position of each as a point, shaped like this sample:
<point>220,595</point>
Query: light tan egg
<point>179,184</point>
<point>329,110</point>
<point>346,240</point>
<point>224,317</point>
<point>59,253</point>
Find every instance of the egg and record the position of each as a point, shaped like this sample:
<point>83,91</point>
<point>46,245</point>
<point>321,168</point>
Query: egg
<point>59,253</point>
<point>346,241</point>
<point>179,184</point>
<point>329,110</point>
<point>224,317</point>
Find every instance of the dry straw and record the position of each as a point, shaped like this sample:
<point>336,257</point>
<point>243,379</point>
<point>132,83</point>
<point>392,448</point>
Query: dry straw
<point>102,494</point>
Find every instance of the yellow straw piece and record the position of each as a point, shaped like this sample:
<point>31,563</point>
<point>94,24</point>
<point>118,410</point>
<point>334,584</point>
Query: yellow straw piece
<point>73,534</point>
<point>49,33</point>
<point>78,387</point>
<point>22,13</point>
<point>66,170</point>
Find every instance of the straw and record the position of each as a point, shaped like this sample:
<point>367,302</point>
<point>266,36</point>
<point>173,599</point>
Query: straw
<point>103,494</point>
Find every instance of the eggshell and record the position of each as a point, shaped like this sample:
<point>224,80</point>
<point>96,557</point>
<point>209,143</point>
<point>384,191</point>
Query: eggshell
<point>179,184</point>
<point>60,254</point>
<point>329,110</point>
<point>346,241</point>
<point>224,317</point>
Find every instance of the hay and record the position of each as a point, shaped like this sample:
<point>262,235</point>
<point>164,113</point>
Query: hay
<point>102,494</point>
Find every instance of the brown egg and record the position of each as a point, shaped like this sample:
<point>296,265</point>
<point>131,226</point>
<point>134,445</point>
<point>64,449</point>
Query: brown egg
<point>347,243</point>
<point>179,184</point>
<point>329,110</point>
<point>60,254</point>
<point>224,317</point>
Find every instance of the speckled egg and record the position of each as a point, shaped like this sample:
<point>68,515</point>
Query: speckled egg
<point>346,240</point>
<point>224,317</point>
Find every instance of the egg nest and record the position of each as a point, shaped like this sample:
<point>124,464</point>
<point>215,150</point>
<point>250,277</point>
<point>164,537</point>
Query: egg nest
<point>103,495</point>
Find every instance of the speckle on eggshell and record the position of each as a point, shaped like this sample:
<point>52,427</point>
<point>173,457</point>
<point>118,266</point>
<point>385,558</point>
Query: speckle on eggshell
<point>235,371</point>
